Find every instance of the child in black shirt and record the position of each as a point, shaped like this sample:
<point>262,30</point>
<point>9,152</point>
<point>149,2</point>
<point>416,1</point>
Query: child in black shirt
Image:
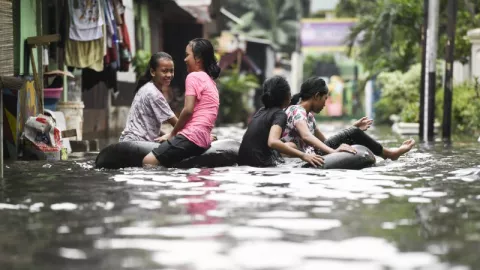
<point>266,127</point>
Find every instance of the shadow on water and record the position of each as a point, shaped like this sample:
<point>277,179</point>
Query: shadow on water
<point>420,212</point>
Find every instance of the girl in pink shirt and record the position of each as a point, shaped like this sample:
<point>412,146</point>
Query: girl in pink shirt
<point>191,134</point>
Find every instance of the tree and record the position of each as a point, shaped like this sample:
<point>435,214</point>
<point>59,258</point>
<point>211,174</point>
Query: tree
<point>352,8</point>
<point>276,20</point>
<point>468,17</point>
<point>388,32</point>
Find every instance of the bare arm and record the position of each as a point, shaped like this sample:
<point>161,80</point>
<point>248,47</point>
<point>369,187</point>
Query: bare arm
<point>310,138</point>
<point>173,121</point>
<point>319,134</point>
<point>274,142</point>
<point>184,115</point>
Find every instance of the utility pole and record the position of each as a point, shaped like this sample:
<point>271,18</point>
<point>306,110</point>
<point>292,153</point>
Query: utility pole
<point>422,76</point>
<point>431,58</point>
<point>448,90</point>
<point>296,57</point>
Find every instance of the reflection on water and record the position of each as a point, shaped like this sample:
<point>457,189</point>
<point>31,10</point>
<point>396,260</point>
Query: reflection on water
<point>421,212</point>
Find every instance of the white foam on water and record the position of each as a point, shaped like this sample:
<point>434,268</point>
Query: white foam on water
<point>358,248</point>
<point>267,255</point>
<point>243,199</point>
<point>300,224</point>
<point>72,253</point>
<point>186,231</point>
<point>195,260</point>
<point>410,260</point>
<point>8,206</point>
<point>36,207</point>
<point>370,201</point>
<point>282,214</point>
<point>149,244</point>
<point>93,230</point>
<point>147,204</point>
<point>174,192</point>
<point>105,205</point>
<point>340,265</point>
<point>434,194</point>
<point>253,233</point>
<point>63,229</point>
<point>419,200</point>
<point>193,231</point>
<point>321,210</point>
<point>66,206</point>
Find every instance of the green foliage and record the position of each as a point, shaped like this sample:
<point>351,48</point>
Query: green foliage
<point>275,20</point>
<point>311,61</point>
<point>388,32</point>
<point>140,62</point>
<point>400,94</point>
<point>234,87</point>
<point>465,21</point>
<point>352,8</point>
<point>465,107</point>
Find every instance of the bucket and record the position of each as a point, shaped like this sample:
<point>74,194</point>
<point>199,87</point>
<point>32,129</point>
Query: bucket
<point>73,111</point>
<point>51,97</point>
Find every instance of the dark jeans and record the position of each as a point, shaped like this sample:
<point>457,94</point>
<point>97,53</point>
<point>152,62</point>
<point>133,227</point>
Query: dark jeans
<point>354,135</point>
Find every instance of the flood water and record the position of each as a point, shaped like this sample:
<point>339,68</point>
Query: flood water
<point>420,212</point>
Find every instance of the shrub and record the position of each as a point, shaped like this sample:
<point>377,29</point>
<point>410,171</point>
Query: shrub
<point>234,87</point>
<point>465,107</point>
<point>400,95</point>
<point>140,62</point>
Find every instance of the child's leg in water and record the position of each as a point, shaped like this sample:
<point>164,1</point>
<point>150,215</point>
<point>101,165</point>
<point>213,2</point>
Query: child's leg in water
<point>395,153</point>
<point>355,135</point>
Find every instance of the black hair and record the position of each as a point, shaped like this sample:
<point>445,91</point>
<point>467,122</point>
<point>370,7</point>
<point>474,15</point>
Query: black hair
<point>309,88</point>
<point>203,49</point>
<point>152,64</point>
<point>275,91</point>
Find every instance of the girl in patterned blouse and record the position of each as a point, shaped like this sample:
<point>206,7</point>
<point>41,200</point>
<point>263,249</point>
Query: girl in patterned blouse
<point>149,107</point>
<point>302,132</point>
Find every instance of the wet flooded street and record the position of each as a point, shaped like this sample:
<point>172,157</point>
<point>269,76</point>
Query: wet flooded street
<point>420,212</point>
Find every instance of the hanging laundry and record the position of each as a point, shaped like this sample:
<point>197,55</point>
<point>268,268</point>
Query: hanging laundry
<point>112,57</point>
<point>84,49</point>
<point>86,20</point>
<point>85,54</point>
<point>125,47</point>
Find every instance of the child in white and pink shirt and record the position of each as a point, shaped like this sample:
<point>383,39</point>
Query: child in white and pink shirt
<point>191,136</point>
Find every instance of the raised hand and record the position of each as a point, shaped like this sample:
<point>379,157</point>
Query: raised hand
<point>363,123</point>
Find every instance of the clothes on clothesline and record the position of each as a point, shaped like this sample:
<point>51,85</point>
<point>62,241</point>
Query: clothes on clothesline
<point>86,20</point>
<point>97,36</point>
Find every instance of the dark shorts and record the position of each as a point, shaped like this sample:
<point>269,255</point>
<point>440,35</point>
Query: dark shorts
<point>175,150</point>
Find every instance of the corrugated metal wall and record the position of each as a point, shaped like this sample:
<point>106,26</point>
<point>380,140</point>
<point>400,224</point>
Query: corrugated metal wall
<point>6,38</point>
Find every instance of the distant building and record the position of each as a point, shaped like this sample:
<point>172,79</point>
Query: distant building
<point>327,6</point>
